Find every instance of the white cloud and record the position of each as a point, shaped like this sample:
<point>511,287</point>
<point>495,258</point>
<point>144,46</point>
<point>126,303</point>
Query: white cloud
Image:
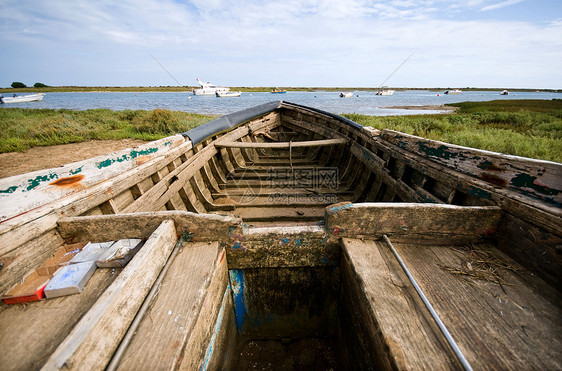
<point>293,42</point>
<point>500,5</point>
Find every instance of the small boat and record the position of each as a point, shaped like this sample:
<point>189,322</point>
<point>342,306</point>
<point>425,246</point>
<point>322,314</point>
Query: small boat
<point>286,227</point>
<point>346,94</point>
<point>278,91</point>
<point>384,92</point>
<point>504,92</point>
<point>453,92</point>
<point>209,89</point>
<point>22,98</point>
<point>222,94</point>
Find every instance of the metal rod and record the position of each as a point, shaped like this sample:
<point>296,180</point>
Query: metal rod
<point>140,314</point>
<point>434,314</point>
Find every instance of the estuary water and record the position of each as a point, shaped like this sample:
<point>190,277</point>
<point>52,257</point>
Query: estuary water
<point>363,102</point>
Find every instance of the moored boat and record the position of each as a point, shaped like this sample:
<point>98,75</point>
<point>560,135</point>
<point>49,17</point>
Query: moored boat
<point>385,92</point>
<point>206,88</point>
<point>289,228</point>
<point>453,92</point>
<point>223,94</point>
<point>278,91</point>
<point>504,92</point>
<point>22,98</point>
<point>346,94</point>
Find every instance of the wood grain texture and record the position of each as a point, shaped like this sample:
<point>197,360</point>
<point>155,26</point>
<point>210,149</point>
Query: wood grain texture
<point>389,329</point>
<point>93,340</point>
<point>188,288</point>
<point>412,220</point>
<point>99,228</point>
<point>510,326</point>
<point>30,333</point>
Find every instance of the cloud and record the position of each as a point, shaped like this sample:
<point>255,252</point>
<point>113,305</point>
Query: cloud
<point>503,4</point>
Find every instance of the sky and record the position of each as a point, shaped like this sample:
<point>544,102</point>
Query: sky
<point>299,43</point>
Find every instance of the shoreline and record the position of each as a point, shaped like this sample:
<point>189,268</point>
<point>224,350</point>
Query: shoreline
<point>426,108</point>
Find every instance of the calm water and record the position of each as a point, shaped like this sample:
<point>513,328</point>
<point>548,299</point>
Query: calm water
<point>362,101</point>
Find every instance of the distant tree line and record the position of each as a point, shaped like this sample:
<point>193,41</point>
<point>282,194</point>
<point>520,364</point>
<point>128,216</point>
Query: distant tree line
<point>19,85</point>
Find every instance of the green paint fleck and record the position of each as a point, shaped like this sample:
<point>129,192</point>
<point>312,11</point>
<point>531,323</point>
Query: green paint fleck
<point>76,171</point>
<point>33,183</point>
<point>11,189</point>
<point>134,154</point>
<point>485,165</point>
<point>528,181</point>
<point>439,152</point>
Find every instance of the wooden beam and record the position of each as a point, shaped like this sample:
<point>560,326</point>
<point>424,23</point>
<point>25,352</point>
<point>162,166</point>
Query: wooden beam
<point>99,228</point>
<point>93,340</point>
<point>411,220</point>
<point>277,145</point>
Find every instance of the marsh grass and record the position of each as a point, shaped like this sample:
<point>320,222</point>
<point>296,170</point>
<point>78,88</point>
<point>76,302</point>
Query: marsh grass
<point>22,128</point>
<point>522,128</point>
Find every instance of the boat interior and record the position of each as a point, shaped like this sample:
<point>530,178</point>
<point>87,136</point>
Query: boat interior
<point>278,243</point>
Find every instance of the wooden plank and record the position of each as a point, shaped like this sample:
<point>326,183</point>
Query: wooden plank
<point>533,178</point>
<point>23,228</point>
<point>192,288</point>
<point>30,333</point>
<point>300,144</point>
<point>413,220</point>
<point>389,331</point>
<point>93,340</point>
<point>514,325</point>
<point>100,228</point>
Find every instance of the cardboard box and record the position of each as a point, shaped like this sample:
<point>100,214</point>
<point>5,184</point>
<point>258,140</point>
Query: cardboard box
<point>32,288</point>
<point>70,279</point>
<point>63,255</point>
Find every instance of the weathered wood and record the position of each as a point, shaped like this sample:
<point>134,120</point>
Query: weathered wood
<point>292,246</point>
<point>30,334</point>
<point>533,178</point>
<point>511,325</point>
<point>301,144</point>
<point>192,288</point>
<point>93,340</point>
<point>390,331</point>
<point>202,227</point>
<point>412,220</point>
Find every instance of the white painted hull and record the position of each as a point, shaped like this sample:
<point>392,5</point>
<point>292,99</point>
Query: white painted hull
<point>346,95</point>
<point>23,98</point>
<point>221,94</point>
<point>385,92</point>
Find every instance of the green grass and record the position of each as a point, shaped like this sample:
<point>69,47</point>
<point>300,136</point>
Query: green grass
<point>22,128</point>
<point>523,128</point>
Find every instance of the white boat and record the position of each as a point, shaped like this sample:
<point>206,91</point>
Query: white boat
<point>453,92</point>
<point>385,92</point>
<point>222,94</point>
<point>208,89</point>
<point>505,92</point>
<point>346,95</point>
<point>22,98</point>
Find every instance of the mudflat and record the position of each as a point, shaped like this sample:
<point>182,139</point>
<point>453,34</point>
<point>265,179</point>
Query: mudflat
<point>37,158</point>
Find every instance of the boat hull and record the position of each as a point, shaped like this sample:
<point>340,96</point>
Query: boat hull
<point>268,228</point>
<point>24,98</point>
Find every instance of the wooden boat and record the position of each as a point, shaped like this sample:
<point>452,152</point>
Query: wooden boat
<point>286,234</point>
<point>22,98</point>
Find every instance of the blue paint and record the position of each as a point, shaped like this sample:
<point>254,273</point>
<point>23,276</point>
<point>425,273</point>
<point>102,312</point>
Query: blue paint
<point>238,285</point>
<point>238,246</point>
<point>336,209</point>
<point>298,242</point>
<point>285,241</point>
<point>216,330</point>
<point>324,260</point>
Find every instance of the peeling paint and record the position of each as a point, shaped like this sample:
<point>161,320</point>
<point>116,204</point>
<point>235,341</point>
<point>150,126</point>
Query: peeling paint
<point>237,282</point>
<point>439,152</point>
<point>11,189</point>
<point>76,171</point>
<point>528,181</point>
<point>34,183</point>
<point>132,155</point>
